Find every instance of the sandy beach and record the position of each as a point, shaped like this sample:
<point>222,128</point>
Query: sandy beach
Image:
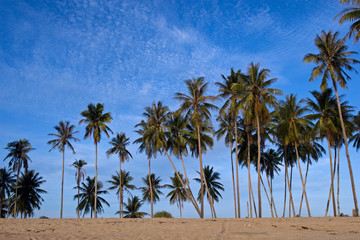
<point>281,228</point>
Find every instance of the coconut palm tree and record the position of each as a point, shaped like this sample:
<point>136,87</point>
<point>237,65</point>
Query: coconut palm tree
<point>333,59</point>
<point>351,14</point>
<point>65,134</point>
<point>177,194</point>
<point>324,113</point>
<point>6,181</point>
<point>257,97</point>
<point>29,194</point>
<point>121,182</point>
<point>153,186</point>
<point>356,137</point>
<point>18,151</point>
<point>96,123</point>
<point>214,186</point>
<point>132,208</point>
<point>231,94</point>
<point>119,144</point>
<point>227,128</point>
<point>79,175</point>
<point>293,123</point>
<point>197,106</point>
<point>87,197</point>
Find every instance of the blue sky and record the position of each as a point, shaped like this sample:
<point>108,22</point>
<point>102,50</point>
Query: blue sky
<point>56,57</point>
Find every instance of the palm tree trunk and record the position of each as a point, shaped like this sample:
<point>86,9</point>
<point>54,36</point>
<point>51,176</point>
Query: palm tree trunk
<point>188,191</point>
<point>237,171</point>
<point>77,209</point>
<point>289,187</point>
<point>291,170</point>
<point>356,210</point>
<point>62,184</point>
<point>302,181</point>
<point>212,201</point>
<point>233,179</point>
<point>184,169</point>
<point>338,180</point>
<point>331,192</point>
<point>267,196</point>
<point>248,167</point>
<point>151,192</point>
<point>16,189</point>
<point>180,207</point>
<point>120,190</point>
<point>252,193</point>
<point>95,201</point>
<point>284,209</point>
<point>258,159</point>
<point>306,174</point>
<point>270,190</point>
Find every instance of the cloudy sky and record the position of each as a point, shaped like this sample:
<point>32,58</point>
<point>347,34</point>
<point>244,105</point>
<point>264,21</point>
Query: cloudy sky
<point>56,57</point>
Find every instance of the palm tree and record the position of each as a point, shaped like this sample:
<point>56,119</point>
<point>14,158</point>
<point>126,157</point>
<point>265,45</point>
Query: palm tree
<point>213,184</point>
<point>65,134</point>
<point>88,195</point>
<point>119,144</point>
<point>151,191</point>
<point>257,97</point>
<point>228,91</point>
<point>227,128</point>
<point>79,174</point>
<point>132,208</point>
<point>333,60</point>
<point>6,181</point>
<point>293,123</point>
<point>96,123</point>
<point>18,154</point>
<point>121,182</point>
<point>29,191</point>
<point>356,137</point>
<point>324,112</point>
<point>177,194</point>
<point>351,14</point>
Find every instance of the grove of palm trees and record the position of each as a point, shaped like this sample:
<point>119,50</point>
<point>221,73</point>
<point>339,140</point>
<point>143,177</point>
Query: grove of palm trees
<point>245,143</point>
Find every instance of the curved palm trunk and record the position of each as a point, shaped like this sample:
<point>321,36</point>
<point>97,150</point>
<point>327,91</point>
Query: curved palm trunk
<point>237,171</point>
<point>151,192</point>
<point>62,185</point>
<point>233,179</point>
<point>267,196</point>
<point>258,159</point>
<point>272,204</point>
<point>331,191</point>
<point>356,210</point>
<point>188,191</point>
<point>302,182</point>
<point>120,191</point>
<point>338,181</point>
<point>249,176</point>
<point>96,173</point>
<point>17,181</point>
<point>184,169</point>
<point>306,174</point>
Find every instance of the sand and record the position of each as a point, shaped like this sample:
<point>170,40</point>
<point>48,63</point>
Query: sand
<point>112,228</point>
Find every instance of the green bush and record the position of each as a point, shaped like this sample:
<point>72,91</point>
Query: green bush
<point>163,214</point>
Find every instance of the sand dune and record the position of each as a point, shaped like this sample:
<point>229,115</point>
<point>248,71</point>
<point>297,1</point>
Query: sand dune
<point>281,228</point>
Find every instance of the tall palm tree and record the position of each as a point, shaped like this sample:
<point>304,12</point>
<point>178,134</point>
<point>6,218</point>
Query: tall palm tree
<point>152,186</point>
<point>356,137</point>
<point>87,197</point>
<point>324,112</point>
<point>18,158</point>
<point>132,208</point>
<point>197,106</point>
<point>96,123</point>
<point>6,181</point>
<point>351,14</point>
<point>177,194</point>
<point>257,97</point>
<point>227,128</point>
<point>29,193</point>
<point>119,144</point>
<point>79,175</point>
<point>231,94</point>
<point>121,182</point>
<point>65,134</point>
<point>333,59</point>
<point>293,123</point>
<point>214,186</point>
